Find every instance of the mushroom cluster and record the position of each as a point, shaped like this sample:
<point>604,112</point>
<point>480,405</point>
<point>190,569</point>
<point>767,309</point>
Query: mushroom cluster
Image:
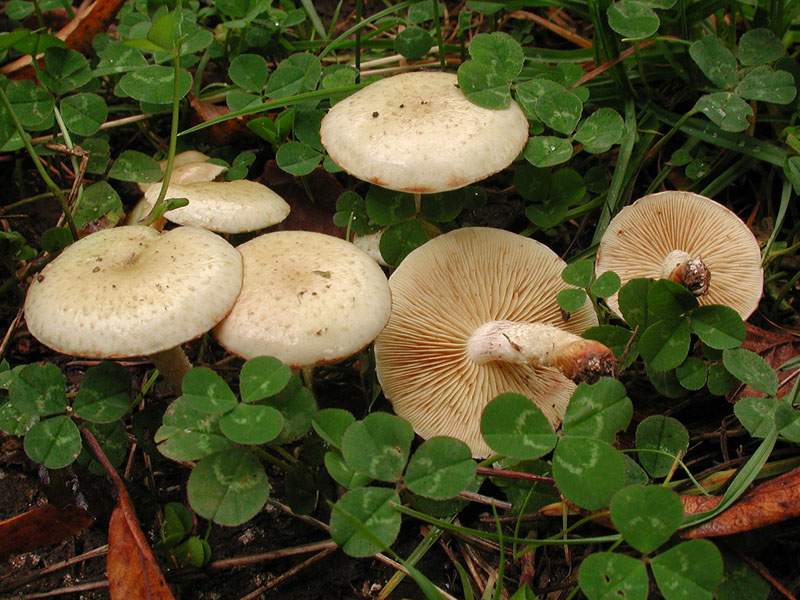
<point>689,239</point>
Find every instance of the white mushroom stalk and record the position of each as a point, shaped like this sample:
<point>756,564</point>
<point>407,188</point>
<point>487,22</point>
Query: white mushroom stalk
<point>687,270</point>
<point>538,344</point>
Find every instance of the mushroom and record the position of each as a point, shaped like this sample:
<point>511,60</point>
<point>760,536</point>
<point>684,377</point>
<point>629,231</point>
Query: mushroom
<point>190,166</point>
<point>370,243</point>
<point>132,291</point>
<point>187,167</point>
<point>417,132</point>
<point>689,239</point>
<point>307,299</point>
<point>223,206</point>
<point>474,314</point>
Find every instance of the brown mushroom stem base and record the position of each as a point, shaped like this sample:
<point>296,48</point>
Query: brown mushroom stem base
<point>542,345</point>
<point>173,364</point>
<point>688,271</point>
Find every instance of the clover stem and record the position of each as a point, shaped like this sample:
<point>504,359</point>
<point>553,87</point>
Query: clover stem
<point>51,185</point>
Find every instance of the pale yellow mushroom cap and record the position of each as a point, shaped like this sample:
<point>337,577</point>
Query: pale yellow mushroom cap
<point>224,206</point>
<point>307,299</point>
<point>417,132</point>
<point>187,167</point>
<point>132,291</point>
<point>643,234</point>
<point>441,293</point>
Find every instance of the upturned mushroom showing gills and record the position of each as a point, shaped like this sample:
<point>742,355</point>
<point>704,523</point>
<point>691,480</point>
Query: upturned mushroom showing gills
<point>307,299</point>
<point>418,133</point>
<point>474,314</point>
<point>689,239</point>
<point>132,291</point>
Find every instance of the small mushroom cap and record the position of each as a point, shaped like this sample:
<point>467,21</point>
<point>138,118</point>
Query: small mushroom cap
<point>224,206</point>
<point>185,158</point>
<point>132,291</point>
<point>441,293</point>
<point>643,234</point>
<point>417,132</point>
<point>307,299</point>
<point>188,167</point>
<point>371,244</point>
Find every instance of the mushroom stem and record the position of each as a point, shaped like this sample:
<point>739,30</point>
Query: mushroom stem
<point>418,202</point>
<point>173,364</point>
<point>688,271</point>
<point>540,345</point>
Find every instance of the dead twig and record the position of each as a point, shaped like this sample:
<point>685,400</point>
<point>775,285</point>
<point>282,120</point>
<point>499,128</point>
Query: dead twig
<point>275,582</point>
<point>241,561</point>
<point>562,32</point>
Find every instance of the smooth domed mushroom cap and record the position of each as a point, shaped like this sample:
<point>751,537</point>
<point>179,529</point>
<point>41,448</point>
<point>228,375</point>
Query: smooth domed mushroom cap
<point>131,291</point>
<point>641,236</point>
<point>224,206</point>
<point>441,293</point>
<point>188,167</point>
<point>184,158</point>
<point>371,245</point>
<point>417,132</point>
<point>307,299</point>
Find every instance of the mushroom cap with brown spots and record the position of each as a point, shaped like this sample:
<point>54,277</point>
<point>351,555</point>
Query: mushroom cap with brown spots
<point>418,133</point>
<point>640,237</point>
<point>307,299</point>
<point>441,293</point>
<point>132,291</point>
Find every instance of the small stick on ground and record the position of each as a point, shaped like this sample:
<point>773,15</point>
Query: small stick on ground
<point>26,579</point>
<point>560,31</point>
<point>241,561</point>
<point>506,474</point>
<point>72,589</point>
<point>10,331</point>
<point>273,583</point>
<point>481,499</point>
<point>762,570</point>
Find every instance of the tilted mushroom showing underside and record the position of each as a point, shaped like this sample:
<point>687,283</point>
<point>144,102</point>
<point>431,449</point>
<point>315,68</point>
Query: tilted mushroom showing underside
<point>132,291</point>
<point>689,239</point>
<point>474,314</point>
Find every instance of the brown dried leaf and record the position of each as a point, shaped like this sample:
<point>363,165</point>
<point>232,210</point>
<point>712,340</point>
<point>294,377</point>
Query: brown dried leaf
<point>132,567</point>
<point>771,502</point>
<point>78,34</point>
<point>42,526</point>
<point>776,347</point>
<point>133,571</point>
<point>221,134</point>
